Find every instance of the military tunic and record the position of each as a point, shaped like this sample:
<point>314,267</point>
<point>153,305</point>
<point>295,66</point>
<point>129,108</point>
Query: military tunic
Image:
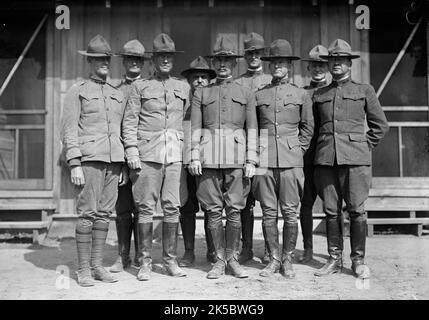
<point>286,127</point>
<point>91,123</point>
<point>224,133</point>
<point>152,130</point>
<point>310,193</point>
<point>343,151</point>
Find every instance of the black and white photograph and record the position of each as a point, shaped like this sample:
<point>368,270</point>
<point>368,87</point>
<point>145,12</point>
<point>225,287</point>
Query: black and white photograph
<point>206,150</point>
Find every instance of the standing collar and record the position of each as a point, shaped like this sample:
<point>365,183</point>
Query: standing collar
<point>318,84</point>
<point>254,72</point>
<point>224,80</point>
<point>342,81</point>
<point>129,80</point>
<point>97,79</point>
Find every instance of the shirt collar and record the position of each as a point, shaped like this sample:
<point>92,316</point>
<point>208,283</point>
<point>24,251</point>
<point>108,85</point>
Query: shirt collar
<point>224,80</point>
<point>254,72</point>
<point>277,81</point>
<point>97,79</point>
<point>318,84</point>
<point>129,80</point>
<point>342,81</point>
<point>161,78</point>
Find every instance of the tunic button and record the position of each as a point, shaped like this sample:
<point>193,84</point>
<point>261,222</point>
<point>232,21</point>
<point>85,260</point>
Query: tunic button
<point>336,133</point>
<point>276,124</point>
<point>277,110</point>
<point>278,136</point>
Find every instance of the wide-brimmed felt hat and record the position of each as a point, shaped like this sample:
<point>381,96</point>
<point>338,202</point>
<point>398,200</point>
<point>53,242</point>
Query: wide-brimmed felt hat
<point>340,48</point>
<point>199,65</point>
<point>315,53</point>
<point>97,47</point>
<point>133,48</point>
<point>163,44</point>
<point>224,47</point>
<point>254,42</point>
<point>280,48</point>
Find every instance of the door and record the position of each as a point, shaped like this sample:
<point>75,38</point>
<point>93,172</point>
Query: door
<point>23,112</point>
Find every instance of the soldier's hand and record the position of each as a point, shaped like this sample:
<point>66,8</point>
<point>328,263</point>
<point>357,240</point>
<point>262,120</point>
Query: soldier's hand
<point>134,163</point>
<point>195,168</point>
<point>77,177</point>
<point>123,177</point>
<point>249,170</point>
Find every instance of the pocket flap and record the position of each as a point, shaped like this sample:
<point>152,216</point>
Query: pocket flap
<point>239,99</point>
<point>180,94</point>
<point>86,139</point>
<point>263,102</point>
<point>89,95</point>
<point>239,138</point>
<point>357,137</point>
<point>293,142</point>
<point>179,135</point>
<point>354,96</point>
<point>118,96</point>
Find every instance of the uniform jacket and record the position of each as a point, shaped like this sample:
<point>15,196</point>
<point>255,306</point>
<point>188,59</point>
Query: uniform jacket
<point>91,123</point>
<point>285,112</point>
<point>309,155</point>
<point>342,108</point>
<point>152,125</point>
<point>254,80</point>
<point>224,125</point>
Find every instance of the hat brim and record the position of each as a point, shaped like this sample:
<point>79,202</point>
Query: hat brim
<point>254,49</point>
<point>351,56</point>
<point>137,55</point>
<point>314,60</point>
<point>161,52</point>
<point>236,56</point>
<point>210,72</point>
<point>90,54</point>
<point>269,58</point>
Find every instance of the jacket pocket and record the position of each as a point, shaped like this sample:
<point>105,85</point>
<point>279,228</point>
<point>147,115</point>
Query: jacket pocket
<point>90,102</point>
<point>357,137</point>
<point>293,142</point>
<point>180,94</point>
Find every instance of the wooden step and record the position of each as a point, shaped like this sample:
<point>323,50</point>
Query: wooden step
<point>39,228</point>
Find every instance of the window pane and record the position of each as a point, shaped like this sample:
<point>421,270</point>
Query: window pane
<point>415,152</point>
<point>7,154</point>
<point>31,154</point>
<point>385,157</point>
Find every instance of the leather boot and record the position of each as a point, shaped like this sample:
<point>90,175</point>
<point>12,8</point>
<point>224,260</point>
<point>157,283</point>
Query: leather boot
<point>83,244</point>
<point>306,218</point>
<point>136,239</point>
<point>211,251</point>
<point>290,235</point>
<point>218,237</point>
<point>271,234</point>
<point>99,235</point>
<point>232,247</point>
<point>357,242</point>
<point>187,222</point>
<point>123,230</point>
<point>334,237</point>
<point>266,258</point>
<point>169,249</point>
<point>247,222</point>
<point>145,236</point>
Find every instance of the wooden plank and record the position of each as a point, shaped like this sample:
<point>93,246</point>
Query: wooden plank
<point>406,108</point>
<point>296,42</point>
<point>20,184</point>
<point>24,224</point>
<point>324,37</point>
<point>400,183</point>
<point>355,43</point>
<point>411,124</point>
<point>401,193</point>
<point>398,221</point>
<point>26,194</point>
<point>23,112</point>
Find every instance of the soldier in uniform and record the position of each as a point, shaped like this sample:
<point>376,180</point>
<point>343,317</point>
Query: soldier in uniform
<point>343,155</point>
<point>199,75</point>
<point>254,79</point>
<point>91,127</point>
<point>153,139</point>
<point>223,155</point>
<point>317,68</point>
<point>284,112</point>
<point>126,216</point>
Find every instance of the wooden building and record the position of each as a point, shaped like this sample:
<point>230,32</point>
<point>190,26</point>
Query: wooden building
<point>32,173</point>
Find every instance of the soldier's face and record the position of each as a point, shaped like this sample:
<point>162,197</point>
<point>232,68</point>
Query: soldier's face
<point>318,70</point>
<point>253,58</point>
<point>224,66</point>
<point>133,65</point>
<point>163,62</point>
<point>280,67</point>
<point>339,66</point>
<point>199,80</point>
<point>99,66</point>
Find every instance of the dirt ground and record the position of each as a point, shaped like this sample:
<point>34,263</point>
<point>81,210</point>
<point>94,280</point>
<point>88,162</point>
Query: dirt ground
<point>399,267</point>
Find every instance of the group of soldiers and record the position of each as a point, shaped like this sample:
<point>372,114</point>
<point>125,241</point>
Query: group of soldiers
<point>219,143</point>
